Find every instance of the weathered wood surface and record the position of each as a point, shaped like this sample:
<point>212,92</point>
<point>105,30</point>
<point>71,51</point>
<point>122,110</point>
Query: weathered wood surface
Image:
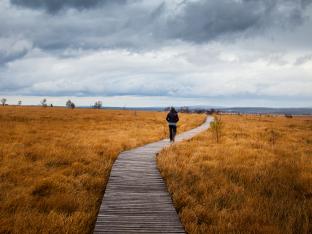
<point>136,199</point>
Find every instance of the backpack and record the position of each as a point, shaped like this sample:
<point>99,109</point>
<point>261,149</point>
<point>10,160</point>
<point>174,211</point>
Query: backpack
<point>175,118</point>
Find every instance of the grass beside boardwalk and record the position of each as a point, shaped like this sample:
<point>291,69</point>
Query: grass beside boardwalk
<point>55,162</point>
<point>257,179</point>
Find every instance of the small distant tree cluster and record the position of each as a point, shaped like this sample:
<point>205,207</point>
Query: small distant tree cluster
<point>70,104</point>
<point>43,102</point>
<point>200,111</point>
<point>288,116</point>
<point>98,105</point>
<point>212,111</point>
<point>3,101</point>
<point>19,103</point>
<point>217,127</point>
<point>184,109</point>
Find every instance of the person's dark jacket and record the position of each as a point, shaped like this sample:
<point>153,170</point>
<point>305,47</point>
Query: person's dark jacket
<point>172,117</point>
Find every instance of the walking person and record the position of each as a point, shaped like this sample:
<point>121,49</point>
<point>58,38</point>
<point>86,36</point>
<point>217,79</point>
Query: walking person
<point>172,119</point>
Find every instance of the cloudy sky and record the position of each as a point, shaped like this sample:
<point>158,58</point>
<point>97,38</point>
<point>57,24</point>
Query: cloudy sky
<point>159,53</point>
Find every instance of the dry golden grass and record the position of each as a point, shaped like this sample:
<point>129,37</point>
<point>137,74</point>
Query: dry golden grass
<point>55,162</point>
<point>258,179</point>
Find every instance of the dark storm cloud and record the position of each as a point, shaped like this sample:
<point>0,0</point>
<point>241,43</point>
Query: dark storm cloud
<point>13,49</point>
<point>202,21</point>
<point>4,57</point>
<point>144,25</point>
<point>53,6</point>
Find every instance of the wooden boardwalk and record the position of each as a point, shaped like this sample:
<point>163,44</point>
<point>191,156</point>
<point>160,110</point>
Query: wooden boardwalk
<point>136,199</point>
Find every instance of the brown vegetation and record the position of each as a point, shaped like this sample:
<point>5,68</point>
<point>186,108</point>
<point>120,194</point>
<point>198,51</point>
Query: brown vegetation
<point>258,179</point>
<point>55,162</point>
<point>216,127</point>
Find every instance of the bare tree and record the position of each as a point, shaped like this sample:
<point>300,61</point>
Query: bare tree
<point>43,102</point>
<point>98,105</point>
<point>19,103</point>
<point>3,101</point>
<point>70,104</point>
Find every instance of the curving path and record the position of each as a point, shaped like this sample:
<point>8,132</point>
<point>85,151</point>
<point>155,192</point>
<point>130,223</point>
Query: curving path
<point>136,199</point>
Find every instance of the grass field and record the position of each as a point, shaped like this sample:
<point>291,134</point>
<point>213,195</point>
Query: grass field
<point>257,179</point>
<point>55,162</point>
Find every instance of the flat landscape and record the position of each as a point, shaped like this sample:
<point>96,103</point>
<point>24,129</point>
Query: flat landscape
<point>256,179</point>
<point>82,81</point>
<point>55,162</point>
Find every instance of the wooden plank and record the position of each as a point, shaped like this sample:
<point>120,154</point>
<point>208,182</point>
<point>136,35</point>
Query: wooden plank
<point>136,199</point>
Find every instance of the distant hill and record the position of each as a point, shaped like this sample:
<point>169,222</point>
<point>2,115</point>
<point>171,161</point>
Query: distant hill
<point>242,110</point>
<point>265,110</point>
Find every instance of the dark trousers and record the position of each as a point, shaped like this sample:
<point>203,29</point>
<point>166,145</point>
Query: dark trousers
<point>172,131</point>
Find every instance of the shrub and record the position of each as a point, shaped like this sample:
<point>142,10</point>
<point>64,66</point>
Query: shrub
<point>216,128</point>
<point>98,105</point>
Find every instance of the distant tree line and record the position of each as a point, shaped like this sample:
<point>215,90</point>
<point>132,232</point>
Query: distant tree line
<point>185,109</point>
<point>71,105</point>
<point>44,103</point>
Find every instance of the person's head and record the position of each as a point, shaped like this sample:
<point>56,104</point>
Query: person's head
<point>172,109</point>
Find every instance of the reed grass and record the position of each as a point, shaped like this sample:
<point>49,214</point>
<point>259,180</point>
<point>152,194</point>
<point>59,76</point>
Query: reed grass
<point>257,179</point>
<point>55,162</point>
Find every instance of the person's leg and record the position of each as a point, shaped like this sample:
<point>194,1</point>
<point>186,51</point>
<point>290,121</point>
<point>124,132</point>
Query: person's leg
<point>174,132</point>
<point>171,133</point>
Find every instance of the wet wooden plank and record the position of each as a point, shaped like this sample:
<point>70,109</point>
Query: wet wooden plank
<point>136,199</point>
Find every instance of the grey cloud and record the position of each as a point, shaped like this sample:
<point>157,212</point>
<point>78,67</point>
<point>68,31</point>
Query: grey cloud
<point>303,59</point>
<point>12,49</point>
<point>53,6</point>
<point>7,57</point>
<point>161,87</point>
<point>202,21</point>
<point>138,25</point>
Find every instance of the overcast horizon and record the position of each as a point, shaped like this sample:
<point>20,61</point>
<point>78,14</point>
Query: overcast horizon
<point>137,53</point>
